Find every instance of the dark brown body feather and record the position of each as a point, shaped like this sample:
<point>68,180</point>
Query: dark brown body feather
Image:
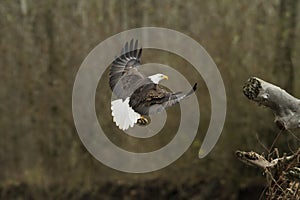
<point>153,98</point>
<point>125,81</point>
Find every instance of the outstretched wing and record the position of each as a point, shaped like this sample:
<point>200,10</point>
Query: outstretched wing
<point>178,96</point>
<point>124,77</point>
<point>153,98</point>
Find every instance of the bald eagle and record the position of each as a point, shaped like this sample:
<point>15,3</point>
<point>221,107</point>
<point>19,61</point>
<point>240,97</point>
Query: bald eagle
<point>138,95</point>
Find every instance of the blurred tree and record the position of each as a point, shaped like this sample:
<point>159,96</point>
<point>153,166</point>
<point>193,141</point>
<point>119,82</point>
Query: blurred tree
<point>284,70</point>
<point>43,43</point>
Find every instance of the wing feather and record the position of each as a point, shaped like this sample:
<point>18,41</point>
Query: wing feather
<point>123,75</point>
<point>153,98</point>
<point>131,53</point>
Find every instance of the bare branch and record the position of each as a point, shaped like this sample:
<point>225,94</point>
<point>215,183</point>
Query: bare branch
<point>285,107</point>
<point>254,159</point>
<point>282,173</point>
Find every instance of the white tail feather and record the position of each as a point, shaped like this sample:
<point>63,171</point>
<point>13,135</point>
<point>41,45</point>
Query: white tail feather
<point>123,115</point>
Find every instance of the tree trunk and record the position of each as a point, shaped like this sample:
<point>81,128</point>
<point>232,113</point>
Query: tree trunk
<point>284,70</point>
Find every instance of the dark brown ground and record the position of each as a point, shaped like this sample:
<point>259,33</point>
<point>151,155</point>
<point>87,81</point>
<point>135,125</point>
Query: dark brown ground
<point>152,189</point>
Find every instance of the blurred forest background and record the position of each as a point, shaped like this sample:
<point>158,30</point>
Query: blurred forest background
<point>43,43</point>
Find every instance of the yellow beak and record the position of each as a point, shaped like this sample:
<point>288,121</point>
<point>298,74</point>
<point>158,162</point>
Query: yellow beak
<point>166,77</point>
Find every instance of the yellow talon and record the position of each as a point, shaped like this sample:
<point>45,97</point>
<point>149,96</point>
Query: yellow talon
<point>143,121</point>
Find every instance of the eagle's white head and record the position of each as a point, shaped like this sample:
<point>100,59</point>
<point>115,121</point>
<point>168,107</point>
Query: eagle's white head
<point>157,77</point>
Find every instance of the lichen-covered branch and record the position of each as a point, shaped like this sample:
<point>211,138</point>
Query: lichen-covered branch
<point>285,107</point>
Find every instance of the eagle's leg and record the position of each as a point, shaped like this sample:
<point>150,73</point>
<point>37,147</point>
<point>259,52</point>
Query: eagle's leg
<point>144,120</point>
